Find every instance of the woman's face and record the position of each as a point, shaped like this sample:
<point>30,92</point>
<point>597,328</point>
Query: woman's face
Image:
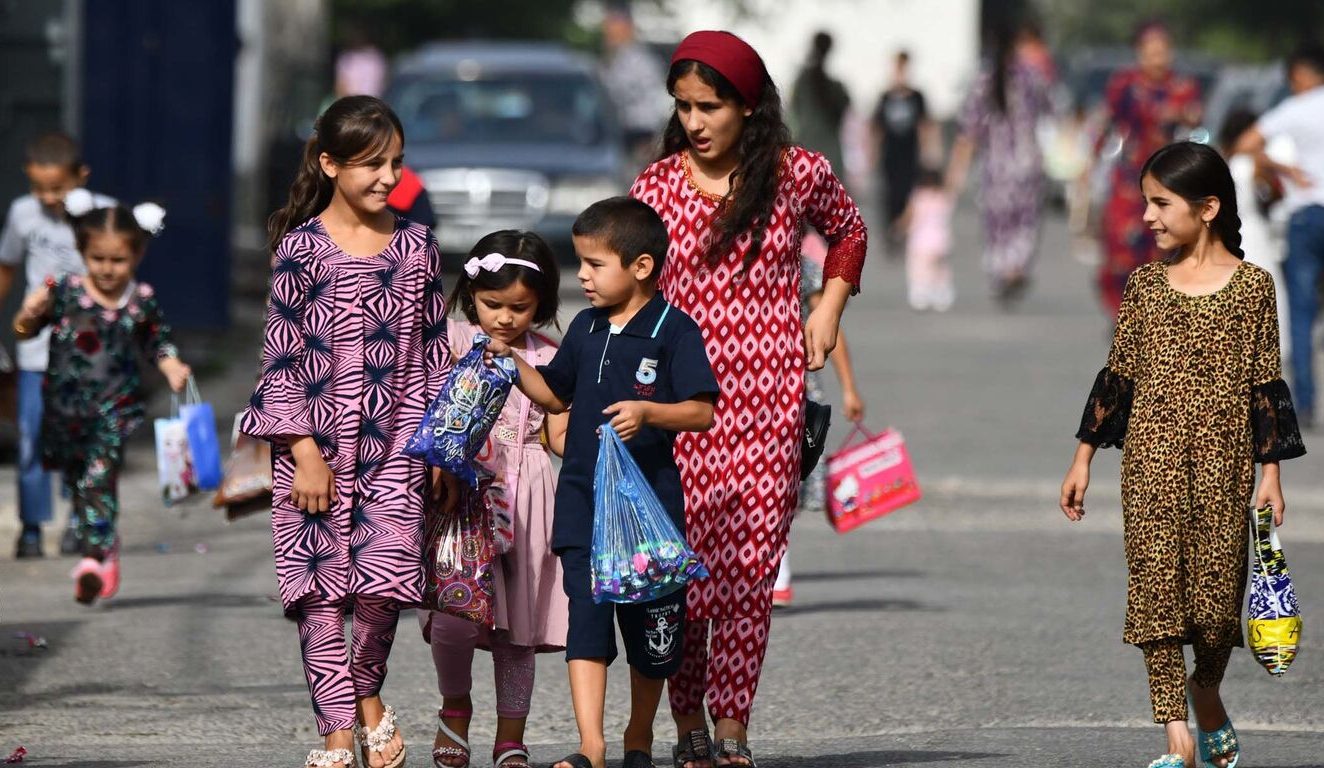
<point>712,124</point>
<point>1154,53</point>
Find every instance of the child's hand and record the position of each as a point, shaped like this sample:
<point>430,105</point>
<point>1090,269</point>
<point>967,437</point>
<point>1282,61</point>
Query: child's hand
<point>852,404</point>
<point>1270,494</point>
<point>1073,491</point>
<point>314,487</point>
<point>37,303</point>
<point>445,490</point>
<point>495,348</point>
<point>628,416</point>
<point>176,372</point>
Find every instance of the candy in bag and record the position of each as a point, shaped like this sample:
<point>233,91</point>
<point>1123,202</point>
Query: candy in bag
<point>638,554</point>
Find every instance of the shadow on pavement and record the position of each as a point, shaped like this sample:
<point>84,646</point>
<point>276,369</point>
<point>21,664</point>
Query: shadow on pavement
<point>848,606</point>
<point>876,758</point>
<point>19,660</point>
<point>210,600</point>
<point>879,573</point>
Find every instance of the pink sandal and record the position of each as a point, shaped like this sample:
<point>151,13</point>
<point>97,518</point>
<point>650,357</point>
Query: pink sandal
<point>510,754</point>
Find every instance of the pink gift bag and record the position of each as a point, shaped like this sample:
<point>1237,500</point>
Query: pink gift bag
<point>869,480</point>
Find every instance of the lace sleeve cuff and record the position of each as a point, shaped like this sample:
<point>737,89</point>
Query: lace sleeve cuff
<point>845,259</point>
<point>1274,431</point>
<point>1107,411</point>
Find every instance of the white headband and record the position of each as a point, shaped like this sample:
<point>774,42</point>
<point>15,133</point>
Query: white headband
<point>149,216</point>
<point>493,262</point>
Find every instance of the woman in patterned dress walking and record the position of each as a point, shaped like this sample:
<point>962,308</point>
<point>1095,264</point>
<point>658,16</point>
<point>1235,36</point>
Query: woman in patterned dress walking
<point>1194,395</point>
<point>355,347</point>
<point>736,195</point>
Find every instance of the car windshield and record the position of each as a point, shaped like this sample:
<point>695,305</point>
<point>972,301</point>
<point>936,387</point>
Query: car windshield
<point>501,109</point>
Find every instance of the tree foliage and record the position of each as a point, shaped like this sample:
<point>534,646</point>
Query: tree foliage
<point>398,25</point>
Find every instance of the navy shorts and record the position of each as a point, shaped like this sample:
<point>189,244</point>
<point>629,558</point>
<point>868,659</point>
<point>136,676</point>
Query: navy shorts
<point>652,632</point>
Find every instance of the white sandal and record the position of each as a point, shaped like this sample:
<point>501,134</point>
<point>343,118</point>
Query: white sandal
<point>327,758</point>
<point>379,738</point>
<point>461,749</point>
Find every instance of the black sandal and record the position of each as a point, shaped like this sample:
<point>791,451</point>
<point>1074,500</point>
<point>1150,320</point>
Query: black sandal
<point>696,747</point>
<point>637,758</point>
<point>575,760</point>
<point>732,748</point>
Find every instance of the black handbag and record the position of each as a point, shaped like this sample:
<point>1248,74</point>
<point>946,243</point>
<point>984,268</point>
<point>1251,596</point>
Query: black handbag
<point>818,417</point>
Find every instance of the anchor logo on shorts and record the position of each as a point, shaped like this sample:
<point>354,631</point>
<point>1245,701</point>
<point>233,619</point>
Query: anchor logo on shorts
<point>662,632</point>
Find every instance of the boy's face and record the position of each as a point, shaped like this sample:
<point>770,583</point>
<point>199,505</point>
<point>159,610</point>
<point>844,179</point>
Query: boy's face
<point>50,183</point>
<point>606,282</point>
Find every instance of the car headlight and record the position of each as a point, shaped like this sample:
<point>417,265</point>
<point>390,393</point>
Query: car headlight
<point>571,196</point>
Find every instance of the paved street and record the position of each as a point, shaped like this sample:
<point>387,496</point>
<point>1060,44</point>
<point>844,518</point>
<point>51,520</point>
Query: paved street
<point>976,628</point>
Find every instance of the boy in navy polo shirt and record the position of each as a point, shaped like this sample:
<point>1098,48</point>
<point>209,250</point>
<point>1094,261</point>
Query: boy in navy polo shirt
<point>637,362</point>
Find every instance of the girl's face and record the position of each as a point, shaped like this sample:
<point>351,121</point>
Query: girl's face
<point>712,124</point>
<point>1174,221</point>
<point>365,182</point>
<point>506,314</point>
<point>110,261</point>
<point>1154,53</point>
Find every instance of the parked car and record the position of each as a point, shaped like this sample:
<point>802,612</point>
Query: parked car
<point>507,135</point>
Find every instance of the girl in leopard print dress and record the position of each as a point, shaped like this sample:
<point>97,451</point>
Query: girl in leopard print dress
<point>1193,394</point>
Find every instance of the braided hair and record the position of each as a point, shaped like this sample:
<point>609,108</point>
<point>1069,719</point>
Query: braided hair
<point>1197,172</point>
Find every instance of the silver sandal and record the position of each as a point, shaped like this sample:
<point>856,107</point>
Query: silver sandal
<point>379,738</point>
<point>327,758</point>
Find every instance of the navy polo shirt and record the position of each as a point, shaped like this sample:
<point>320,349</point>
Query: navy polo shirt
<point>658,356</point>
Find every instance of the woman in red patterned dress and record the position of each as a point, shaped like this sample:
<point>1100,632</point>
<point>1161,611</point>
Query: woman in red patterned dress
<point>736,196</point>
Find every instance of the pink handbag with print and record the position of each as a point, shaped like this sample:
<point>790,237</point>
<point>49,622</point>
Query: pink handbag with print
<point>869,480</point>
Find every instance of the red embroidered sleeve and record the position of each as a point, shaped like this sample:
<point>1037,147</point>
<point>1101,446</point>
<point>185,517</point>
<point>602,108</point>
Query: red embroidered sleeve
<point>831,211</point>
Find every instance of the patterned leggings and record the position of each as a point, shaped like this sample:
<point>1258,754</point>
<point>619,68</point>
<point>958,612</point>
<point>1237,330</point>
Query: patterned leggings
<point>728,672</point>
<point>1167,675</point>
<point>93,486</point>
<point>337,675</point>
<point>453,643</point>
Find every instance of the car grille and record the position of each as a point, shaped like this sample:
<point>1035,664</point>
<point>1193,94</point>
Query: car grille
<point>490,197</point>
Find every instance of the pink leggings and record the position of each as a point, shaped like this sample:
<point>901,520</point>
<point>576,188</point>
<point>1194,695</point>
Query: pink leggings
<point>336,677</point>
<point>453,643</point>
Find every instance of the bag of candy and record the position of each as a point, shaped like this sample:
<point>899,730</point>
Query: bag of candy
<point>458,557</point>
<point>638,554</point>
<point>454,428</point>
<point>1273,619</point>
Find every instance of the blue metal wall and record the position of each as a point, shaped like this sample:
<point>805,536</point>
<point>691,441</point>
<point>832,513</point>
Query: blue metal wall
<point>158,84</point>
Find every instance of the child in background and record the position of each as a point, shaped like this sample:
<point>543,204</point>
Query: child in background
<point>637,362</point>
<point>509,285</point>
<point>928,224</point>
<point>354,350</point>
<point>37,236</point>
<point>93,389</point>
<point>813,491</point>
<point>1193,394</point>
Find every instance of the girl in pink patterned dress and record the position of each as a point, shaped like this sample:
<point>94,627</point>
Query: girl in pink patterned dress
<point>736,195</point>
<point>355,349</point>
<point>510,284</point>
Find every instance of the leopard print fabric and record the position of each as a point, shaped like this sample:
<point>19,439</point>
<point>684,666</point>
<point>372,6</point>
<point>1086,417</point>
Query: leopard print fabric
<point>1167,675</point>
<point>1184,393</point>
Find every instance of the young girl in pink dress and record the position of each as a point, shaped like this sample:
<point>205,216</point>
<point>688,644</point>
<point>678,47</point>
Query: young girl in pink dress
<point>928,224</point>
<point>509,285</point>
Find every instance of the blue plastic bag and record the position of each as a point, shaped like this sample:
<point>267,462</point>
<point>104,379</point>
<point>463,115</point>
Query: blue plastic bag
<point>455,426</point>
<point>638,554</point>
<point>200,425</point>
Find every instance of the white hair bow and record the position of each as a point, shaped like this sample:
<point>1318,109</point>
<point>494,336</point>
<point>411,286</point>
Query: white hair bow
<point>493,262</point>
<point>79,202</point>
<point>149,216</point>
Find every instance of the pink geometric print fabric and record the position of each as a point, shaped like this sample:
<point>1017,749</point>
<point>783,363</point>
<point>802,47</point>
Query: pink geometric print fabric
<point>354,348</point>
<point>741,476</point>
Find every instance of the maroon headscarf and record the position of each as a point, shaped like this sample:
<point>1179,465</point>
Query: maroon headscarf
<point>732,57</point>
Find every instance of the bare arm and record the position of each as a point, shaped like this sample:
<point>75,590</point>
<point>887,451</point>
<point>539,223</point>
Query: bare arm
<point>32,315</point>
<point>1253,142</point>
<point>963,153</point>
<point>840,357</point>
<point>529,380</point>
<point>6,280</point>
<point>629,416</point>
<point>1077,480</point>
<point>555,427</point>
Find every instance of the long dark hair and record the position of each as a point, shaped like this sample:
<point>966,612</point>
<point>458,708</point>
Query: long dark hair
<point>352,128</point>
<point>1004,56</point>
<point>748,205</point>
<point>545,282</point>
<point>1197,173</point>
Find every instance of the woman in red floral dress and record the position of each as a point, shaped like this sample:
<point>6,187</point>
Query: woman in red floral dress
<point>736,196</point>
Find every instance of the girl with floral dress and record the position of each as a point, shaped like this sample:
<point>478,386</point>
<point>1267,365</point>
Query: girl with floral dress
<point>93,394</point>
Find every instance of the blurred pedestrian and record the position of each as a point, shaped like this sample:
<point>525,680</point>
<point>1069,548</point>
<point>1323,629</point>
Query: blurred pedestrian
<point>998,121</point>
<point>736,195</point>
<point>634,78</point>
<point>1262,247</point>
<point>928,225</point>
<point>1193,394</point>
<point>818,105</point>
<point>355,344</point>
<point>508,287</point>
<point>1301,118</point>
<point>100,326</point>
<point>904,135</point>
<point>38,237</point>
<point>1034,54</point>
<point>361,67</point>
<point>813,491</point>
<point>410,199</point>
<point>1146,106</point>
